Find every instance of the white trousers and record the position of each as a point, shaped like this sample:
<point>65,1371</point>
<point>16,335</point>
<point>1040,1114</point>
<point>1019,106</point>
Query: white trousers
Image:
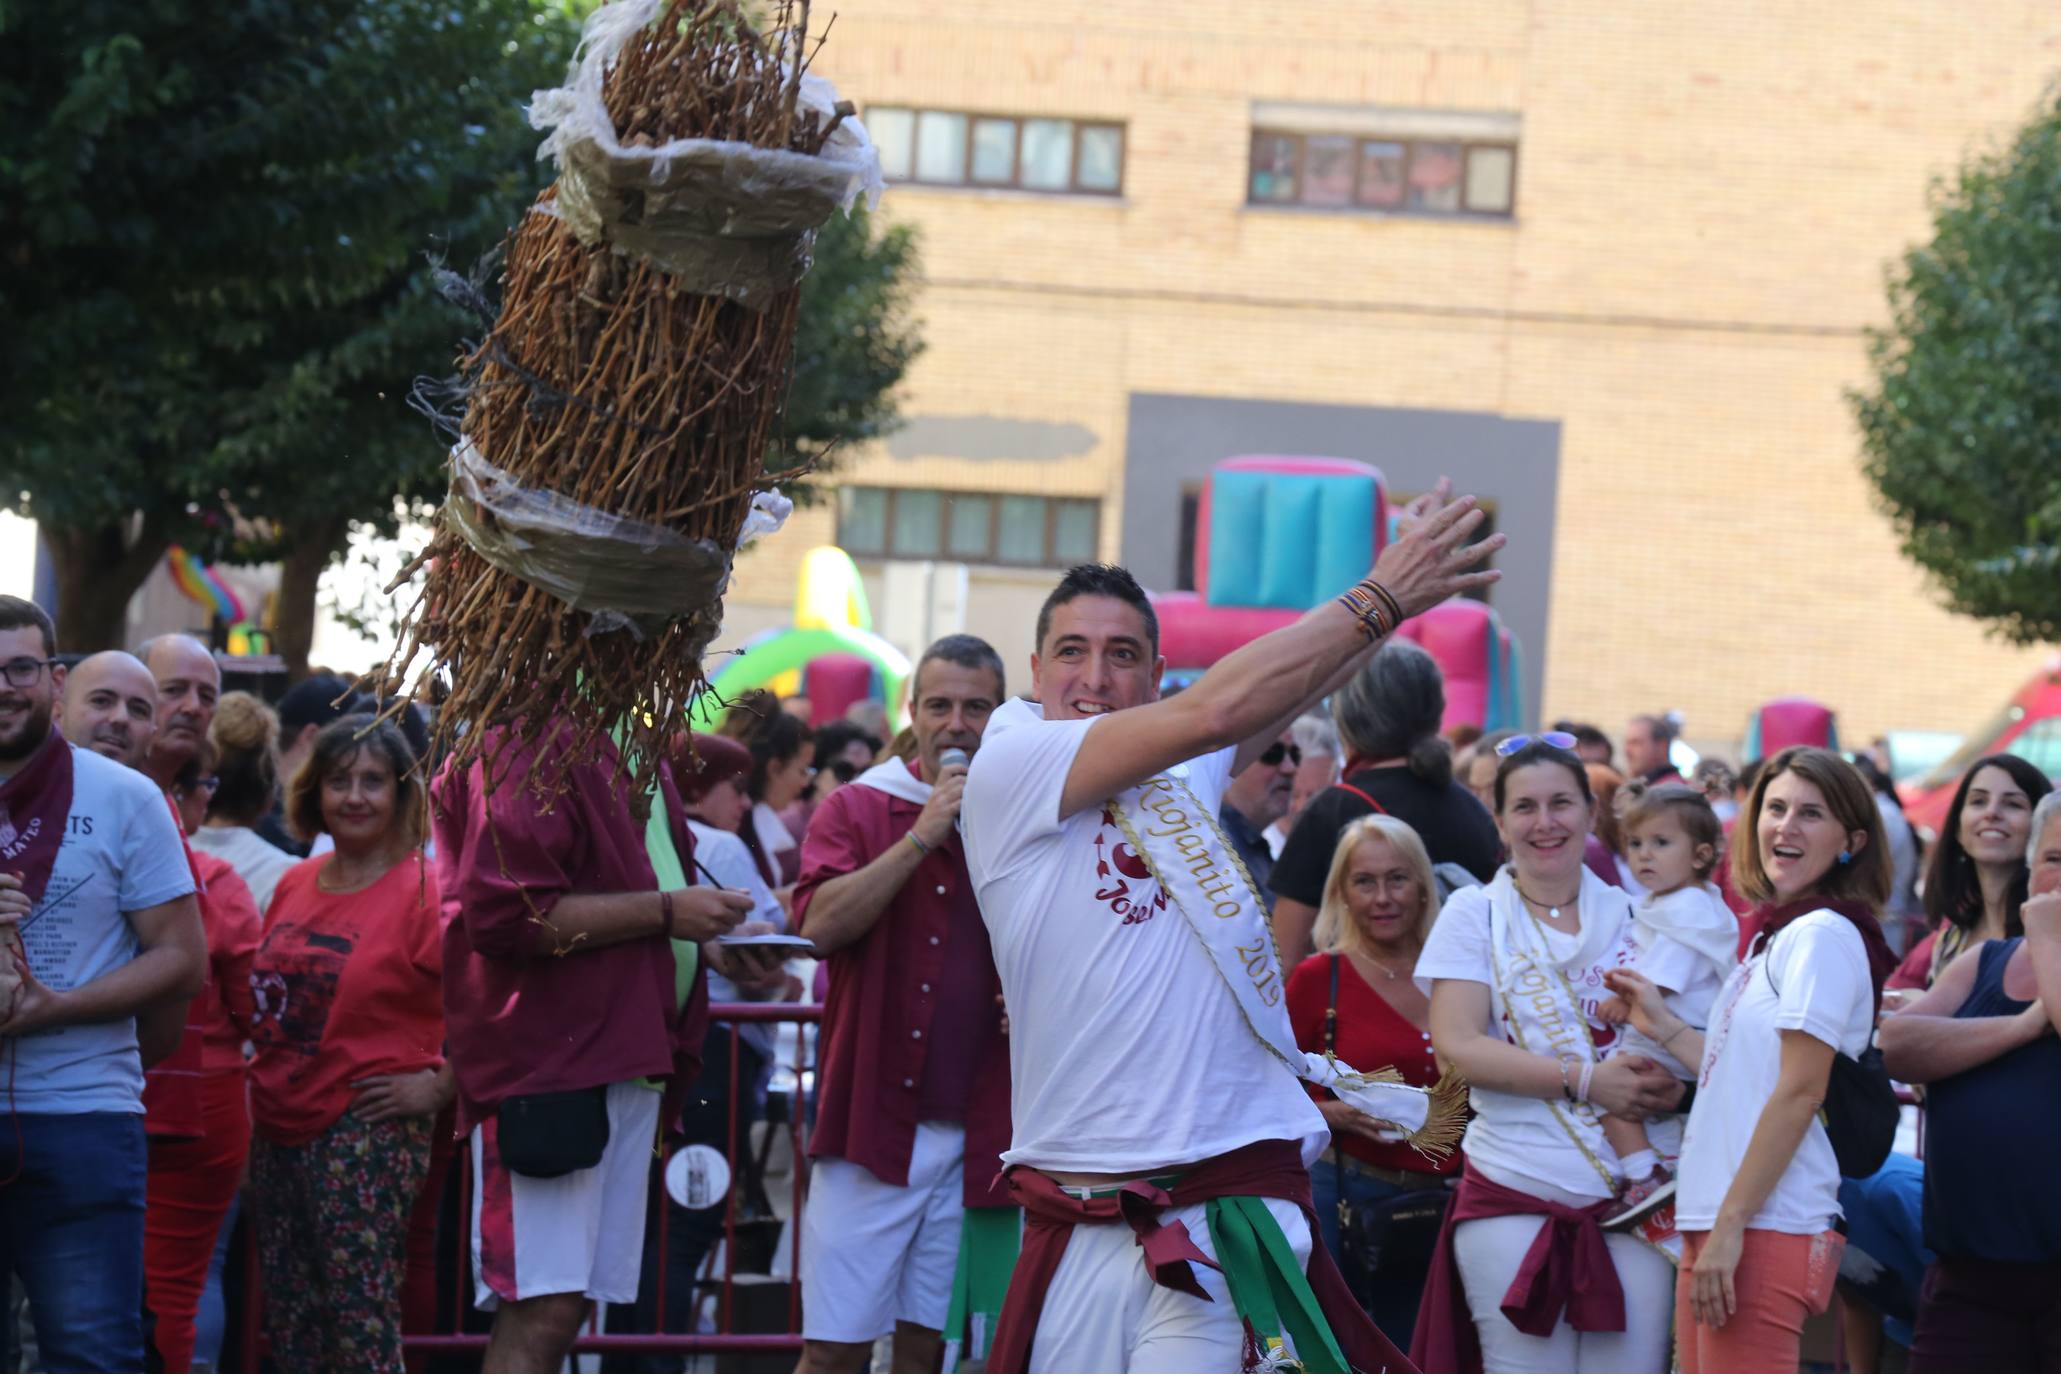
<point>1105,1315</point>
<point>1490,1252</point>
<point>582,1232</point>
<point>873,1254</point>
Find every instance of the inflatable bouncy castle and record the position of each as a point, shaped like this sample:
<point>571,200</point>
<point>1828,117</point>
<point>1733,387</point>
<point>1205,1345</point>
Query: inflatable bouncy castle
<point>1276,535</point>
<point>1790,720</point>
<point>829,654</point>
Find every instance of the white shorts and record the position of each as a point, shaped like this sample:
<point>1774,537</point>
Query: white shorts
<point>1103,1312</point>
<point>873,1254</point>
<point>581,1232</point>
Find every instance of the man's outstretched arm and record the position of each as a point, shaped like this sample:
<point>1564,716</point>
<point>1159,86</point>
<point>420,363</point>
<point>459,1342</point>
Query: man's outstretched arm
<point>1276,676</point>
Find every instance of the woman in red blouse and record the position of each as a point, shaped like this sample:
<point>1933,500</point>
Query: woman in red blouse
<point>1379,903</point>
<point>349,1074</point>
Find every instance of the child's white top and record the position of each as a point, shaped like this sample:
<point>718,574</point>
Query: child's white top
<point>1688,942</point>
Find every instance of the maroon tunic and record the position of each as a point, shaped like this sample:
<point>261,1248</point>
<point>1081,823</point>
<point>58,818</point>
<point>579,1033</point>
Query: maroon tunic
<point>520,1020</point>
<point>921,978</point>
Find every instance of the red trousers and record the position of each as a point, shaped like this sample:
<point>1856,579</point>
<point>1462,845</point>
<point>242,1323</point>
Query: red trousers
<point>191,1184</point>
<point>419,1284</point>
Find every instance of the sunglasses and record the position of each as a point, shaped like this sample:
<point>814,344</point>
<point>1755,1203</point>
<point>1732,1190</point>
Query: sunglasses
<point>1278,751</point>
<point>1559,739</point>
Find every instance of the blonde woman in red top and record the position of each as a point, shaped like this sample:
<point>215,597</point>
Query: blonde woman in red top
<point>1378,905</point>
<point>349,1074</point>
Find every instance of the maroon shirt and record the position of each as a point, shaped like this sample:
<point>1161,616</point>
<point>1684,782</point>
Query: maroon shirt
<point>519,1020</point>
<point>919,985</point>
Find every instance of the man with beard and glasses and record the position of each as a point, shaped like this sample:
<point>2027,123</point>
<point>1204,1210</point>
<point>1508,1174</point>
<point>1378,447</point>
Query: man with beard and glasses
<point>1161,1130</point>
<point>95,888</point>
<point>188,683</point>
<point>906,1230</point>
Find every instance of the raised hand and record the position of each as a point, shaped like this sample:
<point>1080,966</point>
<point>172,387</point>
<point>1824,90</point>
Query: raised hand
<point>1430,559</point>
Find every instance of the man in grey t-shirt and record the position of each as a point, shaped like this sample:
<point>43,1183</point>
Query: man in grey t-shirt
<point>97,907</point>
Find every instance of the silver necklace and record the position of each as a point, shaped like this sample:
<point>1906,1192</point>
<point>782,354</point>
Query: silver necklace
<point>1552,912</point>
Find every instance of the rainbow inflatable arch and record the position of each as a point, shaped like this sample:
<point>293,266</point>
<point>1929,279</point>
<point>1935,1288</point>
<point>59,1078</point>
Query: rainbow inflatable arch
<point>1277,534</point>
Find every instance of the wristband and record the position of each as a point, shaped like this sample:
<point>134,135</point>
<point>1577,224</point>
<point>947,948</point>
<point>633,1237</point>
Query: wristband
<point>1368,609</point>
<point>665,911</point>
<point>921,847</point>
<point>1388,601</point>
<point>1588,1072</point>
<point>1677,1033</point>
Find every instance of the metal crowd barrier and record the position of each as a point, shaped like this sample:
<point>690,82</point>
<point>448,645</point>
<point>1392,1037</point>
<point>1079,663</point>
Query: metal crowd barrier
<point>799,1076</point>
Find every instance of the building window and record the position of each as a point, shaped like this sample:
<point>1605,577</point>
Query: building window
<point>968,527</point>
<point>1426,176</point>
<point>951,148</point>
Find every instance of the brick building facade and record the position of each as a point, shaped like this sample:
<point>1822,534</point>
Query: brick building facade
<point>1612,261</point>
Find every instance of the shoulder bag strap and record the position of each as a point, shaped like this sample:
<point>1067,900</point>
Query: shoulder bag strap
<point>1331,1047</point>
<point>1379,810</point>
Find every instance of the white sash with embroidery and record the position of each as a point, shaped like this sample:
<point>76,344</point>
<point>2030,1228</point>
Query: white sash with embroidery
<point>1534,995</point>
<point>1200,872</point>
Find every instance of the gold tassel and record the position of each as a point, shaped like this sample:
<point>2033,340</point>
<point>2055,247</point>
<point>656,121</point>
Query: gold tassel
<point>1447,1121</point>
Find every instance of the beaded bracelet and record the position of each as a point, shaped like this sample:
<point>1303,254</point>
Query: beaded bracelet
<point>1366,608</point>
<point>1395,607</point>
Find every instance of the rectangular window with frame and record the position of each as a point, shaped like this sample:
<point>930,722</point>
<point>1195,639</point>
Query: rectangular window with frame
<point>1009,529</point>
<point>1041,154</point>
<point>1414,175</point>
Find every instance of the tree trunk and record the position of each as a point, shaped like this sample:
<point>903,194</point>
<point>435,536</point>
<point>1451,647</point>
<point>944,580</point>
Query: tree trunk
<point>310,549</point>
<point>98,571</point>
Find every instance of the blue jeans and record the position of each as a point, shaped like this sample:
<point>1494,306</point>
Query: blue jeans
<point>71,1226</point>
<point>1886,1255</point>
<point>1394,1309</point>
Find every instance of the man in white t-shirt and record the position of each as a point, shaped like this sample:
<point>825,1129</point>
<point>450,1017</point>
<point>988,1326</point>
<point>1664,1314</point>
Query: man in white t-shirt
<point>1131,1058</point>
<point>95,887</point>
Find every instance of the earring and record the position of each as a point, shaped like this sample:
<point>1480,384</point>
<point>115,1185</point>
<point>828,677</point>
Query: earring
<point>1845,856</point>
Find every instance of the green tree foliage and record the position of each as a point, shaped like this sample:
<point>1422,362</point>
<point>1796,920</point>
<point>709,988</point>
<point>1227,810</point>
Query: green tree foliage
<point>213,219</point>
<point>1962,428</point>
<point>856,339</point>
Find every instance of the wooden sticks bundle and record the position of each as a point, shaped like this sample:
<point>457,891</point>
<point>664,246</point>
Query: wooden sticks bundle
<point>606,383</point>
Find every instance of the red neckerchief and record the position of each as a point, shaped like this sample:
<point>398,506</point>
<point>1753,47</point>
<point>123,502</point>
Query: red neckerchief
<point>1881,963</point>
<point>33,806</point>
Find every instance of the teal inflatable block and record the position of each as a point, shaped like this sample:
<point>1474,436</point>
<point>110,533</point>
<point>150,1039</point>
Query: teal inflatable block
<point>1287,541</point>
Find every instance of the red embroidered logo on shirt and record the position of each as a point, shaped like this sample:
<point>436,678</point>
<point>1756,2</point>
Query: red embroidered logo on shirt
<point>1117,867</point>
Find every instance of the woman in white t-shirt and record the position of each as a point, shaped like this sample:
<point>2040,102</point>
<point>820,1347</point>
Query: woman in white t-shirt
<point>1515,972</point>
<point>1759,1186</point>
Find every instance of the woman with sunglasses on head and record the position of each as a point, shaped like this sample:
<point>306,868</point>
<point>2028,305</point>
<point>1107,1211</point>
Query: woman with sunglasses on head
<point>1388,716</point>
<point>1758,1192</point>
<point>1525,1279</point>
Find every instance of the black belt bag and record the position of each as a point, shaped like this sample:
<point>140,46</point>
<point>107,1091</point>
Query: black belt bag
<point>545,1135</point>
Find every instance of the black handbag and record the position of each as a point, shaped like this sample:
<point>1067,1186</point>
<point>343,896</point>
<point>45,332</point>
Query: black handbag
<point>546,1135</point>
<point>1391,1240</point>
<point>1860,1110</point>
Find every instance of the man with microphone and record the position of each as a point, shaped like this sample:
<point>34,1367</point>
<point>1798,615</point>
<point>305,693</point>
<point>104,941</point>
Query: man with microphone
<point>913,1106</point>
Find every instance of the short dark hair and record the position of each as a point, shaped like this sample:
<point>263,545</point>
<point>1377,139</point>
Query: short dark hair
<point>1099,579</point>
<point>315,701</point>
<point>1538,751</point>
<point>1953,889</point>
<point>967,651</point>
<point>338,743</point>
<point>17,614</point>
<point>1663,726</point>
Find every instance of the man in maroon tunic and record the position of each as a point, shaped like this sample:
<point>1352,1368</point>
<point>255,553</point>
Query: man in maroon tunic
<point>914,1105</point>
<point>562,1002</point>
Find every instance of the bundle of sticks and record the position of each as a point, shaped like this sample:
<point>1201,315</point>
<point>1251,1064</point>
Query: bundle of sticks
<point>619,414</point>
